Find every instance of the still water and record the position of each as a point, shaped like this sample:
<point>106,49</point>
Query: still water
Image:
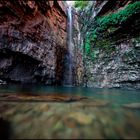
<point>106,113</point>
<point>116,96</point>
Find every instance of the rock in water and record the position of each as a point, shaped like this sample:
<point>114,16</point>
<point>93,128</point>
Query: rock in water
<point>132,106</point>
<point>47,97</point>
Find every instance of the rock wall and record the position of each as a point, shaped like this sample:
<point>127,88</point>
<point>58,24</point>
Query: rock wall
<point>117,64</point>
<point>32,41</point>
<point>78,59</point>
<point>110,6</point>
<point>120,68</point>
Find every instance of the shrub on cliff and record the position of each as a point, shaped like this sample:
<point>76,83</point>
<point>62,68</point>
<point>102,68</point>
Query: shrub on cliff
<point>81,4</point>
<point>114,20</point>
<point>107,24</point>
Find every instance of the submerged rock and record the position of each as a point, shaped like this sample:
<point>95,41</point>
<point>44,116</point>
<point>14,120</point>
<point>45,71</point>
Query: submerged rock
<point>45,98</point>
<point>132,106</point>
<point>92,103</point>
<point>81,118</point>
<point>43,120</point>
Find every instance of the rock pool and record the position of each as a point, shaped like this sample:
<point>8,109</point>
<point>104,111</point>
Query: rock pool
<point>28,111</point>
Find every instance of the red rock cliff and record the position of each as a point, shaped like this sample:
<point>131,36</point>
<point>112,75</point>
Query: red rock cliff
<point>32,40</point>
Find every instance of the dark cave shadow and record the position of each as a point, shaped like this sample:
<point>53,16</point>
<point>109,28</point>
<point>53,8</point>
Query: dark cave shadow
<point>5,129</point>
<point>60,65</point>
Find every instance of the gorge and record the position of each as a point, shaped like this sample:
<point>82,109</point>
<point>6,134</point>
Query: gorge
<point>35,43</point>
<point>69,69</point>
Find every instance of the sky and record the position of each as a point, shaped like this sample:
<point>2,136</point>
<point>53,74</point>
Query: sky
<point>70,2</point>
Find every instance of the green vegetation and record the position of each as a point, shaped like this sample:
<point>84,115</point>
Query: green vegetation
<point>118,18</point>
<point>81,4</point>
<point>108,24</point>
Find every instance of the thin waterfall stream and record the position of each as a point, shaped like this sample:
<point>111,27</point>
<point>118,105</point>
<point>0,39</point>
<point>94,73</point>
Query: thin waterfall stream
<point>69,58</point>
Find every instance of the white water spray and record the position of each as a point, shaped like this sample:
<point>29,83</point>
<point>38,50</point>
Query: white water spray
<point>69,72</point>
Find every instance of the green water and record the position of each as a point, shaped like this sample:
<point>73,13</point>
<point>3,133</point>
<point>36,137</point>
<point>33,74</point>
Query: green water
<point>116,96</point>
<point>73,120</point>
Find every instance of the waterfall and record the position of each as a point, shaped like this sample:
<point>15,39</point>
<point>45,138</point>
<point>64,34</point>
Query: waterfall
<point>70,45</point>
<point>68,78</point>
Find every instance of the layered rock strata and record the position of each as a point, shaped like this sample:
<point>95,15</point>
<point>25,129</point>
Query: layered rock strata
<point>32,41</point>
